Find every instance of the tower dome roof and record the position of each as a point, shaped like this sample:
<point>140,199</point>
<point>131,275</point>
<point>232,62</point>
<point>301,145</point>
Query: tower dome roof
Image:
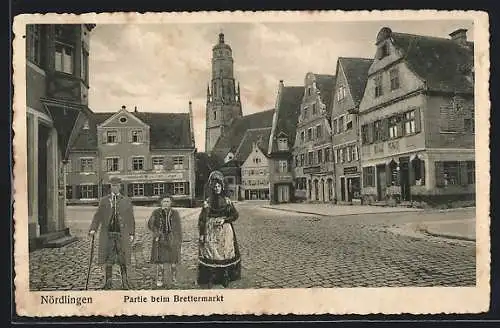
<point>221,44</point>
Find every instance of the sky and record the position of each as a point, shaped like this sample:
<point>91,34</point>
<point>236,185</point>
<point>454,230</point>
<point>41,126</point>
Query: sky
<point>161,67</point>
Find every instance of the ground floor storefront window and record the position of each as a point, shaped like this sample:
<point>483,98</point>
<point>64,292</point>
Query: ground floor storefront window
<point>257,194</point>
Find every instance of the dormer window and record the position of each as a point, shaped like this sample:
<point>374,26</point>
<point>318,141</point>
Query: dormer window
<point>123,119</point>
<point>86,125</point>
<point>282,143</point>
<point>341,93</point>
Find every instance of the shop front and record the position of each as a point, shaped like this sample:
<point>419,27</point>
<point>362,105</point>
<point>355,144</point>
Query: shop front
<point>350,185</point>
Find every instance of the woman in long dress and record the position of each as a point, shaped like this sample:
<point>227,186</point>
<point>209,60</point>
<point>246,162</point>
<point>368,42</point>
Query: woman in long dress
<point>219,260</point>
<point>165,224</point>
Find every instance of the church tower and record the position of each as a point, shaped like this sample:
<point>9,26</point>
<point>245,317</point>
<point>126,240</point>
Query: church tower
<point>223,95</point>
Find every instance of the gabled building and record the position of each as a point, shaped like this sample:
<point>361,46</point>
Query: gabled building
<point>255,168</point>
<point>153,154</point>
<point>281,141</point>
<point>417,119</point>
<point>352,74</point>
<point>313,164</point>
<point>57,83</point>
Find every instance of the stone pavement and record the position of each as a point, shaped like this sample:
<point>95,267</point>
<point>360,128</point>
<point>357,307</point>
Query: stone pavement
<point>280,250</point>
<point>338,210</point>
<point>454,229</point>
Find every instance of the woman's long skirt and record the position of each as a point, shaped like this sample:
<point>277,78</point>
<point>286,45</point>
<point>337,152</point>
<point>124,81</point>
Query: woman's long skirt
<point>219,258</point>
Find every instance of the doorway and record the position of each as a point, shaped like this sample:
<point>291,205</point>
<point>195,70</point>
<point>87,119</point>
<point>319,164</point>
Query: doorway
<point>342,189</point>
<point>43,137</point>
<point>283,194</point>
<point>405,178</point>
<point>381,182</point>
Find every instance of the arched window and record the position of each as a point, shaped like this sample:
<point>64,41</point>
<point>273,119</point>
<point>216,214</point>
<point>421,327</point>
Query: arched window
<point>215,115</point>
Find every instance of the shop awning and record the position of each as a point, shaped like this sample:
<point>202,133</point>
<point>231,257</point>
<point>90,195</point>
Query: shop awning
<point>68,118</point>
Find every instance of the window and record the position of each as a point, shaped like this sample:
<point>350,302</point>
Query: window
<point>355,154</point>
<point>282,144</point>
<point>297,163</point>
<point>319,131</point>
<point>257,160</point>
<point>409,122</point>
<point>314,109</point>
<point>283,166</point>
<point>137,163</point>
<point>137,136</point>
<point>158,189</point>
<point>394,75</point>
<point>341,93</point>
<point>394,173</point>
<point>369,176</point>
<point>112,164</point>
<point>64,57</point>
<point>87,192</point>
<point>349,153</point>
<point>451,173</point>
<point>69,192</point>
<point>158,163</point>
<point>327,154</point>
<point>335,156</point>
<point>334,126</point>
<point>305,113</point>
<point>178,162</point>
<point>365,137</point>
<point>378,86</point>
<point>418,167</point>
<point>302,136</point>
<point>302,159</point>
<point>33,50</point>
<point>469,125</point>
<point>179,188</point>
<point>394,127</point>
<point>111,137</point>
<point>86,165</point>
<point>320,155</point>
<point>86,125</point>
<point>67,167</point>
<point>215,115</point>
<point>310,158</point>
<point>341,124</point>
<point>138,189</point>
<point>471,172</point>
<point>343,154</point>
<point>123,119</point>
<point>309,134</point>
<point>378,130</point>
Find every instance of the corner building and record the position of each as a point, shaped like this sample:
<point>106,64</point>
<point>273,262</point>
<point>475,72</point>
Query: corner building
<point>153,154</point>
<point>417,119</point>
<point>57,83</point>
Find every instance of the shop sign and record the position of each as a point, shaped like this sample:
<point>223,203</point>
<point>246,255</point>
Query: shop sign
<point>311,169</point>
<point>151,176</point>
<point>351,170</point>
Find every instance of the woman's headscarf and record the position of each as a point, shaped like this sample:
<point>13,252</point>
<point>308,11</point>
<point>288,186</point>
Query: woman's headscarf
<point>216,176</point>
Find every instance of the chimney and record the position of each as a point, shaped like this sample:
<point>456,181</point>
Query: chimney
<point>124,107</point>
<point>459,36</point>
<point>135,109</point>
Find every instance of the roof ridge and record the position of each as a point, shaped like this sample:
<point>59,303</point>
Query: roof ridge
<point>262,128</point>
<point>437,38</point>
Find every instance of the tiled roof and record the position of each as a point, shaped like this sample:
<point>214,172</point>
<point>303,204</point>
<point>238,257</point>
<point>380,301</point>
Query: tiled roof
<point>287,115</point>
<point>444,64</point>
<point>167,130</point>
<point>258,136</point>
<point>325,83</point>
<point>356,73</point>
<point>233,135</point>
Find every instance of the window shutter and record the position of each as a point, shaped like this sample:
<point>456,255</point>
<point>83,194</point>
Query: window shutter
<point>422,172</point>
<point>371,133</point>
<point>130,163</point>
<point>78,192</point>
<point>130,190</point>
<point>385,129</point>
<point>400,126</point>
<point>462,173</point>
<point>104,137</point>
<point>148,189</point>
<point>120,164</point>
<point>129,135</point>
<point>418,121</point>
<point>95,191</point>
<point>388,175</point>
<point>145,163</point>
<point>169,163</point>
<point>443,118</point>
<point>119,135</point>
<point>411,172</point>
<point>103,166</point>
<point>439,174</point>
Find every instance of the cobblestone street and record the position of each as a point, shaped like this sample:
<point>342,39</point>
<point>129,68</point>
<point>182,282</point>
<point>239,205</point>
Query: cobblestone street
<point>281,249</point>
